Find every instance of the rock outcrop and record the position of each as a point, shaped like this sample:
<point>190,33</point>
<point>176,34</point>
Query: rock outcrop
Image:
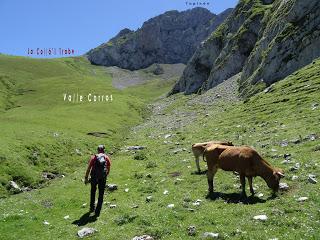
<point>265,40</point>
<point>169,38</point>
<point>290,40</point>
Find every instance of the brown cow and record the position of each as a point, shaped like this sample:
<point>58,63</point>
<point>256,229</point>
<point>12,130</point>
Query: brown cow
<point>244,160</point>
<point>198,149</point>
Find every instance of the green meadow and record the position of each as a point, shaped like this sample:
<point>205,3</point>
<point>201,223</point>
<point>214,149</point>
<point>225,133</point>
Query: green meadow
<point>40,132</point>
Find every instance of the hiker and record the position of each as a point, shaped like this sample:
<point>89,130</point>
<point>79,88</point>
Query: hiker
<point>99,169</point>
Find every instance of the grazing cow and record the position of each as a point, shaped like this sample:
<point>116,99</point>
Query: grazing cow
<point>244,160</point>
<point>198,149</point>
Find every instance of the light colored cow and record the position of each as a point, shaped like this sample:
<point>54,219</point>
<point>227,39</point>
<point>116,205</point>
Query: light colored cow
<point>198,149</point>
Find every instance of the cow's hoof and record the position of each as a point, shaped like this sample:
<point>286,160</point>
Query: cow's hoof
<point>212,195</point>
<point>210,191</point>
<point>274,195</point>
<point>243,196</point>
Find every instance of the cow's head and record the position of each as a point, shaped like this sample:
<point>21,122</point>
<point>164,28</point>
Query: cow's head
<point>274,180</point>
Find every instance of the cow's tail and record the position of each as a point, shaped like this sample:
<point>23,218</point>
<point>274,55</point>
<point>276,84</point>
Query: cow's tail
<point>204,154</point>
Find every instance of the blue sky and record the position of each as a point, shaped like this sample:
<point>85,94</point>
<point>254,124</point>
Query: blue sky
<point>79,24</point>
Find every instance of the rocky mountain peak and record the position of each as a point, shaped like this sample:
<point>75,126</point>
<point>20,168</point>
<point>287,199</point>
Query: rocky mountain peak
<point>171,37</point>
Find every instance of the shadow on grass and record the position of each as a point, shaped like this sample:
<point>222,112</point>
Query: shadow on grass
<point>85,219</point>
<point>273,196</point>
<point>235,198</point>
<point>199,173</point>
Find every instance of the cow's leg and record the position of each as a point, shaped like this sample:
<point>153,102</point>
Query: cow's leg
<point>210,175</point>
<point>250,184</point>
<point>198,164</point>
<point>243,185</point>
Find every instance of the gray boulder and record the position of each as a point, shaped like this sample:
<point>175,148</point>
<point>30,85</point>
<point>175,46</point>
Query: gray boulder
<point>192,230</point>
<point>112,187</point>
<point>86,232</point>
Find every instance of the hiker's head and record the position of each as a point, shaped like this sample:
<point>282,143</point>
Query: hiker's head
<point>101,149</point>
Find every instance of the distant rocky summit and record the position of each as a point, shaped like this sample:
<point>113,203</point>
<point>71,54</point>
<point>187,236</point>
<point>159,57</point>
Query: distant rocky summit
<point>265,40</point>
<point>169,38</point>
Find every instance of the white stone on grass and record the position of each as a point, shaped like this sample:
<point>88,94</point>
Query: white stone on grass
<point>302,199</point>
<point>287,161</point>
<point>56,134</point>
<point>78,152</point>
<point>130,148</point>
<point>312,179</point>
<point>192,230</point>
<point>15,187</point>
<point>171,205</point>
<point>143,237</point>
<point>197,202</point>
<point>260,195</point>
<point>167,136</point>
<point>210,235</point>
<point>45,222</point>
<point>260,217</point>
<point>283,186</point>
<point>85,232</point>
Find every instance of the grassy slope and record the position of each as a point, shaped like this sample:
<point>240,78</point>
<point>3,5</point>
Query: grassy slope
<point>264,120</point>
<point>285,113</point>
<point>33,111</point>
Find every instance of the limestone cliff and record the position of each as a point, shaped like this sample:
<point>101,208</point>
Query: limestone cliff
<point>265,40</point>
